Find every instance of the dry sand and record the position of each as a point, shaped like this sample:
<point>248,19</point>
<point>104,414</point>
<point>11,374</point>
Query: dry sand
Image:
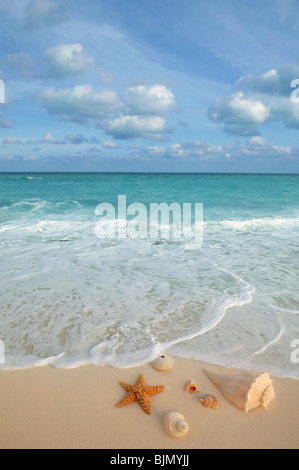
<point>75,409</point>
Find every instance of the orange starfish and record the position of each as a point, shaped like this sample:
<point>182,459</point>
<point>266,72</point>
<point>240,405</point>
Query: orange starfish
<point>141,393</point>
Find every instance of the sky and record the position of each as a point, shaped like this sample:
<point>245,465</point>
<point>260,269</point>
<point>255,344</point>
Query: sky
<point>149,86</point>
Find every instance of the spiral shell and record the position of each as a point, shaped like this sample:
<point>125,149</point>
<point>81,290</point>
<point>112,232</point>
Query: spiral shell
<point>209,401</point>
<point>163,363</point>
<point>191,387</point>
<point>175,424</point>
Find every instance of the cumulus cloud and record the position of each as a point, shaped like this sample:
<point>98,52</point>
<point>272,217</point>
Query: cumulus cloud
<point>146,108</point>
<point>274,82</point>
<point>109,144</point>
<point>126,127</point>
<point>11,140</point>
<point>49,139</point>
<point>149,100</point>
<point>44,12</point>
<point>80,103</point>
<point>154,151</point>
<point>264,98</point>
<point>75,139</point>
<point>285,111</point>
<point>257,141</point>
<point>30,157</point>
<point>238,109</point>
<point>68,59</point>
<point>255,148</point>
<point>140,112</point>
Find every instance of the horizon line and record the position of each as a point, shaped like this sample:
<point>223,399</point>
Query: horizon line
<point>145,173</point>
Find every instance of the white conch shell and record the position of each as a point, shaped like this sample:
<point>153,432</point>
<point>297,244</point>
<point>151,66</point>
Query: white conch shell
<point>245,391</point>
<point>163,363</point>
<point>175,424</point>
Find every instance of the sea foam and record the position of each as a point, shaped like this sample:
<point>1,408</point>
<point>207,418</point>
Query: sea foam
<point>69,298</point>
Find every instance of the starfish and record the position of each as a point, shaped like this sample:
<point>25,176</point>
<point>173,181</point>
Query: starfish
<point>141,393</point>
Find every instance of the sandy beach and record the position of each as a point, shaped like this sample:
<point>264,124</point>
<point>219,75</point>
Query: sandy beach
<point>48,408</point>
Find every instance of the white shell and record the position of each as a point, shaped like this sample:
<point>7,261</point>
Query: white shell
<point>163,363</point>
<point>245,391</point>
<point>175,424</point>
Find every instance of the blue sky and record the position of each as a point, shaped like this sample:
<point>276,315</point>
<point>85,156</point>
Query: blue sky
<point>168,85</point>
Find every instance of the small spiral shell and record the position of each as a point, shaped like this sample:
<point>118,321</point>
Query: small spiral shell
<point>191,387</point>
<point>175,424</point>
<point>163,363</point>
<point>209,401</point>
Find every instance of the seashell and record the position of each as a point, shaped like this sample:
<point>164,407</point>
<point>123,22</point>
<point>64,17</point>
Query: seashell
<point>191,387</point>
<point>245,391</point>
<point>209,401</point>
<point>175,424</point>
<point>163,363</point>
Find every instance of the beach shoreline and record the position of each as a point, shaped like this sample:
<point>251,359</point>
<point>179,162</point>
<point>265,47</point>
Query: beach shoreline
<point>51,408</point>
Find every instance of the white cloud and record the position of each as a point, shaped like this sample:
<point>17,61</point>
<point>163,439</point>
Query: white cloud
<point>126,127</point>
<point>49,139</point>
<point>149,100</point>
<point>30,157</point>
<point>141,112</point>
<point>271,82</point>
<point>68,59</point>
<point>254,148</point>
<point>237,109</point>
<point>11,140</point>
<point>109,144</point>
<point>257,141</point>
<point>154,151</point>
<point>282,109</point>
<point>265,98</point>
<point>79,103</point>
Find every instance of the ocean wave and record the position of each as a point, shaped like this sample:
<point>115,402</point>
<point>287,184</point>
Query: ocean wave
<point>33,178</point>
<point>266,223</point>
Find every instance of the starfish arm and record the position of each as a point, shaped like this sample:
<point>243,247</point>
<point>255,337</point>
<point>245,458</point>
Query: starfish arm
<point>154,390</point>
<point>144,402</point>
<point>141,381</point>
<point>128,388</point>
<point>129,398</point>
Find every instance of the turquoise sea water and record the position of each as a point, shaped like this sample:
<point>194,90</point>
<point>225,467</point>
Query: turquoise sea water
<point>69,298</point>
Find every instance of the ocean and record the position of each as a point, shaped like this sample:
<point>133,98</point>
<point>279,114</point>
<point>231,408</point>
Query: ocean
<point>70,298</point>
